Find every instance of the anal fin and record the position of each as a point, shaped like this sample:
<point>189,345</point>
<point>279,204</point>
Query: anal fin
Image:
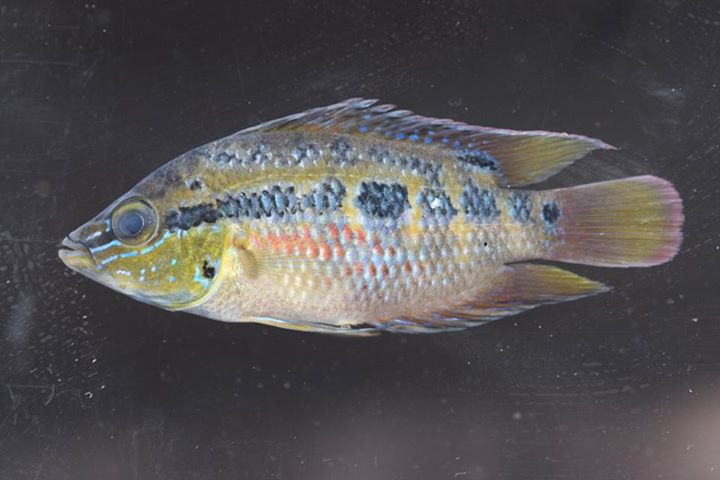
<point>530,285</point>
<point>522,287</point>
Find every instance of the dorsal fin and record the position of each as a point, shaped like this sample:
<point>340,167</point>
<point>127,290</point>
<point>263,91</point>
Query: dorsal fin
<point>523,157</point>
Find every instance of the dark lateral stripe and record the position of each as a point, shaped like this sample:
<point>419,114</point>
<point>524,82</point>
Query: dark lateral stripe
<point>436,203</point>
<point>478,203</point>
<point>325,198</point>
<point>519,206</point>
<point>189,217</point>
<point>382,200</point>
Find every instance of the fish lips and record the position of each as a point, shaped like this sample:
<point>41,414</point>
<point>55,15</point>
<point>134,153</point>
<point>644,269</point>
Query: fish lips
<point>76,255</point>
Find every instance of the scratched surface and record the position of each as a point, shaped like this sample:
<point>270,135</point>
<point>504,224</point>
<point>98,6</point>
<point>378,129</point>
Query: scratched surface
<point>95,94</point>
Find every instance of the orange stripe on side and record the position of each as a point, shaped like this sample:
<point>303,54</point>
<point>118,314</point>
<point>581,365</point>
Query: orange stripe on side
<point>324,251</point>
<point>332,231</point>
<point>347,233</point>
<point>358,269</point>
<point>372,270</point>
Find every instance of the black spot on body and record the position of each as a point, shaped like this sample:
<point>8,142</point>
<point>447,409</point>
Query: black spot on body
<point>208,271</point>
<point>480,159</point>
<point>382,200</point>
<point>436,203</point>
<point>478,203</point>
<point>519,206</point>
<point>550,213</point>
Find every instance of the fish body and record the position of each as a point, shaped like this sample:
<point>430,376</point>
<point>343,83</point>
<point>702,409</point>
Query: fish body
<point>358,218</point>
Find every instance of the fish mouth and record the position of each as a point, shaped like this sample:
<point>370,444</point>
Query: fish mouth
<point>75,254</point>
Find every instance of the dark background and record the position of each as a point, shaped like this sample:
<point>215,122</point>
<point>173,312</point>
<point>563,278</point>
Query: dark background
<point>96,94</point>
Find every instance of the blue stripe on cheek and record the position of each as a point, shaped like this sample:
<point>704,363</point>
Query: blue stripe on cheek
<point>156,244</point>
<point>108,259</point>
<point>105,246</point>
<point>131,253</point>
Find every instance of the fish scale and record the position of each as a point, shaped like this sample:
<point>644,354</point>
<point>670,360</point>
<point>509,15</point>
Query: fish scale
<point>358,218</point>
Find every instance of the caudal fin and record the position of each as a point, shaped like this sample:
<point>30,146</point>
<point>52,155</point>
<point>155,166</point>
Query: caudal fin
<point>631,222</point>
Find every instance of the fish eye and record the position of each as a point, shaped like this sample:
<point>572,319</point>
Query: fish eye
<point>130,223</point>
<point>134,222</point>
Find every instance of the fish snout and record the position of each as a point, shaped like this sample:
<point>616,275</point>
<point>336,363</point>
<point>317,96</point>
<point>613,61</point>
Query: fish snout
<point>75,254</point>
<point>76,250</point>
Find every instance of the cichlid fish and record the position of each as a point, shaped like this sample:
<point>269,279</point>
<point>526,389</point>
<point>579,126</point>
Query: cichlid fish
<point>359,218</point>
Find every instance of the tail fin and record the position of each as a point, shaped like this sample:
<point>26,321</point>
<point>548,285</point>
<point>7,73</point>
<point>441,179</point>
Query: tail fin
<point>631,222</point>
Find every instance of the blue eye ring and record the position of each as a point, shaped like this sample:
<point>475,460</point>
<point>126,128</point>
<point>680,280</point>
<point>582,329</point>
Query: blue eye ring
<point>134,222</point>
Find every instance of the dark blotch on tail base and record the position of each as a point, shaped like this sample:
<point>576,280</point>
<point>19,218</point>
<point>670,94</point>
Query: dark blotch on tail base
<point>550,213</point>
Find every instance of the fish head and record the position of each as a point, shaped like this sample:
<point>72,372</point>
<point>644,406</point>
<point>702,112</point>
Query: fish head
<point>132,247</point>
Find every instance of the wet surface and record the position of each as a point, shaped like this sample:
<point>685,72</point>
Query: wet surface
<point>95,95</point>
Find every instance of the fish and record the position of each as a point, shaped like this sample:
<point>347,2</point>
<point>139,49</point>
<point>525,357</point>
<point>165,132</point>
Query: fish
<point>360,218</point>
